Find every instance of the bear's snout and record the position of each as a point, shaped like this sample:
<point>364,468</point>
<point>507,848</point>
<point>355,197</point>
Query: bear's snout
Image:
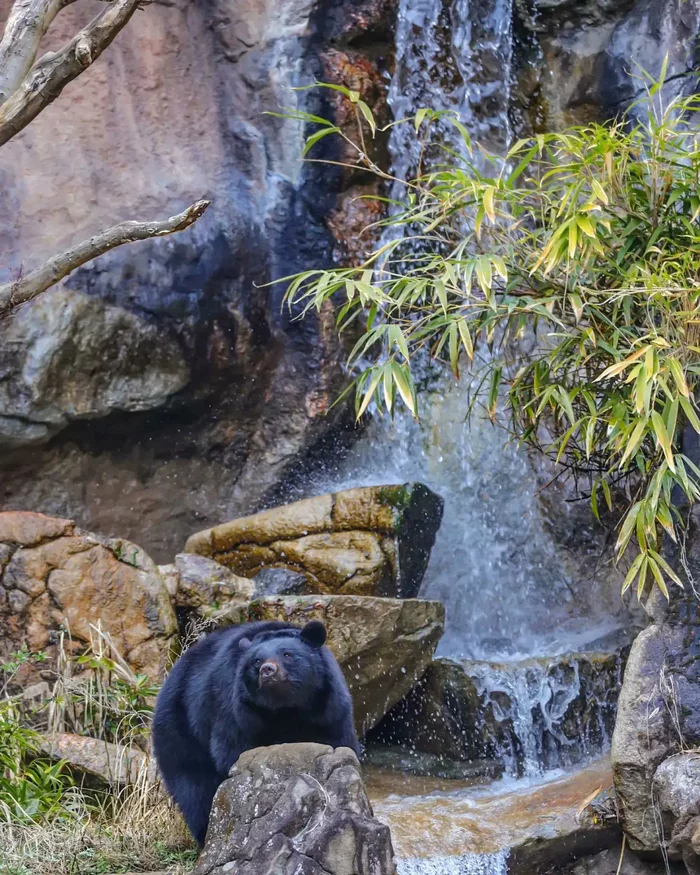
<point>270,672</point>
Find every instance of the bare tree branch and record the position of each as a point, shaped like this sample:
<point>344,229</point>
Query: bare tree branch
<point>55,70</point>
<point>25,27</point>
<point>26,288</point>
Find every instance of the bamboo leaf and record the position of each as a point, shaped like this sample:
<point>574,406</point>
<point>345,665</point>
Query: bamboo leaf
<point>314,138</point>
<point>367,113</point>
<point>690,413</point>
<point>405,386</point>
<point>663,438</point>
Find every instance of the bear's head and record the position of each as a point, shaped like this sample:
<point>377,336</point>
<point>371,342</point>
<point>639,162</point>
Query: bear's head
<point>285,668</point>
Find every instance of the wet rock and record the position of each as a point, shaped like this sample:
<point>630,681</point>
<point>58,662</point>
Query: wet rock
<point>202,584</point>
<point>366,541</point>
<point>536,713</point>
<point>577,60</point>
<point>295,808</point>
<point>59,577</point>
<point>383,645</point>
<point>72,357</point>
<point>617,861</point>
<point>676,792</point>
<point>414,762</point>
<point>280,581</point>
<point>659,706</point>
<point>97,760</point>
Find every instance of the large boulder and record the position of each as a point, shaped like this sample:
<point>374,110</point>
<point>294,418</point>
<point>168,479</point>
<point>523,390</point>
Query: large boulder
<point>373,540</point>
<point>383,645</point>
<point>295,809</point>
<point>659,708</point>
<point>54,576</point>
<point>72,357</point>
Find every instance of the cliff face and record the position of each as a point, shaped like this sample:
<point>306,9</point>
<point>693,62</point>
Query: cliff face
<point>163,388</point>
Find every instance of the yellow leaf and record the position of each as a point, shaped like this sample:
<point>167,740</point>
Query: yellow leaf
<point>573,238</point>
<point>615,369</point>
<point>678,376</point>
<point>488,203</point>
<point>404,388</point>
<point>369,392</point>
<point>466,338</point>
<point>690,413</point>
<point>632,573</point>
<point>663,439</point>
<point>599,191</point>
<point>634,441</point>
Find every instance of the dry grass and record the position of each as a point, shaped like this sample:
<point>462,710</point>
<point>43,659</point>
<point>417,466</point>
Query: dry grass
<point>135,830</point>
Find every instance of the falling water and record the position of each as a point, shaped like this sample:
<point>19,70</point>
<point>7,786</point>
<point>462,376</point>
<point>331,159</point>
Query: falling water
<point>467,864</point>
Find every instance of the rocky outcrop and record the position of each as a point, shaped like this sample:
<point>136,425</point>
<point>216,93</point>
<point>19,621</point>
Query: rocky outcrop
<point>295,808</point>
<point>241,393</point>
<point>373,540</point>
<point>383,645</point>
<point>54,576</point>
<point>659,707</point>
<point>535,713</point>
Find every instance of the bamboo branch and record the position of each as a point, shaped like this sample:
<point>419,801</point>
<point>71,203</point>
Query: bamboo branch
<point>26,288</point>
<point>51,73</point>
<point>25,27</point>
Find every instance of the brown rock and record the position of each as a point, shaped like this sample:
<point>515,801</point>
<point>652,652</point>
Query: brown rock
<point>372,540</point>
<point>383,645</point>
<point>59,577</point>
<point>203,584</point>
<point>109,763</point>
<point>295,808</point>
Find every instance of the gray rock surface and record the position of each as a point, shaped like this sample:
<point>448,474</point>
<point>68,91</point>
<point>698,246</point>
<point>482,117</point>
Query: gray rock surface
<point>295,809</point>
<point>659,707</point>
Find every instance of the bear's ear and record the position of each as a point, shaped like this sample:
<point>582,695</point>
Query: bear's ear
<point>314,633</point>
<point>244,643</point>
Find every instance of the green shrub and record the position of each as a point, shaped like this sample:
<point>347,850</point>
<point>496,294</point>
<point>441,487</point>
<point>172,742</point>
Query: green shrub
<point>589,238</point>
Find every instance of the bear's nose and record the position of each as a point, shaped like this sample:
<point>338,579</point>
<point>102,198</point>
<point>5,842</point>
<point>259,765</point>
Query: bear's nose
<point>268,670</point>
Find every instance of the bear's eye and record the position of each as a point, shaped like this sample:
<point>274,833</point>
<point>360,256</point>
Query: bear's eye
<point>287,654</point>
<point>257,663</point>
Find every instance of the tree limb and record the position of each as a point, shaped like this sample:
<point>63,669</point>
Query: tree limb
<point>55,70</point>
<point>26,288</point>
<point>25,27</point>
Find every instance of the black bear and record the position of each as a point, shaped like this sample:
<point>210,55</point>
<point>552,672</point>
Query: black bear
<point>239,688</point>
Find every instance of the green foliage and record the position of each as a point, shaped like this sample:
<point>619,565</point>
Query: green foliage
<point>30,789</point>
<point>588,241</point>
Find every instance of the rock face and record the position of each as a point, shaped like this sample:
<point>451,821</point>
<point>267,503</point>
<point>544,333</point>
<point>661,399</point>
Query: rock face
<point>540,713</point>
<point>677,794</point>
<point>659,706</point>
<point>189,328</point>
<point>52,576</point>
<point>383,645</point>
<point>52,362</point>
<point>366,541</point>
<point>295,809</point>
<point>577,60</point>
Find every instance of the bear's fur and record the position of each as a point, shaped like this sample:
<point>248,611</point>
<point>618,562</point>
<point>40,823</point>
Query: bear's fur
<point>239,688</point>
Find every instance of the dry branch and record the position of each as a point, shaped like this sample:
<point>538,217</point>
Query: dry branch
<point>45,81</point>
<point>26,288</point>
<point>25,27</point>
